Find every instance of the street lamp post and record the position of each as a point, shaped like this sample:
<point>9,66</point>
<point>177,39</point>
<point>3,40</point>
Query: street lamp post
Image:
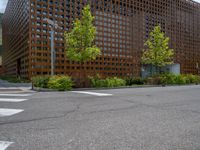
<point>53,26</point>
<point>197,66</point>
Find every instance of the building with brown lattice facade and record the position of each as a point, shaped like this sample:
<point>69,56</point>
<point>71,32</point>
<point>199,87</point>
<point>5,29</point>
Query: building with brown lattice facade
<point>122,25</point>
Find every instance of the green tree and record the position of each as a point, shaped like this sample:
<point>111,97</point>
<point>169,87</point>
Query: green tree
<point>158,53</point>
<point>79,41</point>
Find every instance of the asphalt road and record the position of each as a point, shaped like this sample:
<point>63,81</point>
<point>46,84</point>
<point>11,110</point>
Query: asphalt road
<point>165,118</point>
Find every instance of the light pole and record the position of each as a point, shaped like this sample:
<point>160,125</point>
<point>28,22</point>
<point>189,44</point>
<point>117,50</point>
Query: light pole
<point>53,26</point>
<point>197,66</point>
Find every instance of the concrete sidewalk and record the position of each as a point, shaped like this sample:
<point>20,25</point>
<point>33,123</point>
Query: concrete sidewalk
<point>6,86</point>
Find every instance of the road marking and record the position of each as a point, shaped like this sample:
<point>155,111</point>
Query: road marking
<point>22,95</point>
<point>92,93</point>
<point>12,100</point>
<point>4,144</point>
<point>9,112</point>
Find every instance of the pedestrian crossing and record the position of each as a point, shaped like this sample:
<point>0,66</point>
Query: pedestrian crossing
<point>4,144</point>
<point>6,112</point>
<point>92,93</point>
<point>12,100</point>
<point>9,112</point>
<point>17,95</point>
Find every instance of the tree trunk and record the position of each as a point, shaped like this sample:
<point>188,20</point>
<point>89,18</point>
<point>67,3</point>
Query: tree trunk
<point>151,70</point>
<point>82,75</point>
<point>156,70</point>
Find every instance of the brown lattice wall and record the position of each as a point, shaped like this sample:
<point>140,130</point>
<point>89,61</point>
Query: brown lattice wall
<point>122,25</point>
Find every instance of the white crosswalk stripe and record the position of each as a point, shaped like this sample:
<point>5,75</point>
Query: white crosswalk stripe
<point>9,112</point>
<point>92,93</point>
<point>12,100</point>
<point>4,144</point>
<point>20,95</point>
<point>5,112</point>
<point>9,98</point>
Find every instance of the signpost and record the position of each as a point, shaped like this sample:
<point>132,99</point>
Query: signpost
<point>53,25</point>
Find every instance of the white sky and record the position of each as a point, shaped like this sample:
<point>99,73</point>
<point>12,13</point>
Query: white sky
<point>3,5</point>
<point>4,2</point>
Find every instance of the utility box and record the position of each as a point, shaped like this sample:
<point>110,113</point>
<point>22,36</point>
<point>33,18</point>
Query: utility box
<point>149,70</point>
<point>174,68</point>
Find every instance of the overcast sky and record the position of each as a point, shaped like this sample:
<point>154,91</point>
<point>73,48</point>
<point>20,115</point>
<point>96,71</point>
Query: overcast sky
<point>3,5</point>
<point>4,2</point>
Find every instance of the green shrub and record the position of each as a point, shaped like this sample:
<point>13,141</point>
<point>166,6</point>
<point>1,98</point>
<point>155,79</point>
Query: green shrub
<point>181,79</point>
<point>97,81</point>
<point>168,78</point>
<point>156,80</point>
<point>174,79</point>
<point>192,79</point>
<point>40,81</point>
<point>115,82</point>
<point>134,81</point>
<point>60,83</point>
<point>198,80</point>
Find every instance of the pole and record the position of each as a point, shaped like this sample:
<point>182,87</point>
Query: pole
<point>52,51</point>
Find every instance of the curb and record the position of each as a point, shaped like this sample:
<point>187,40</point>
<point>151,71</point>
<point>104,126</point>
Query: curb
<point>107,88</point>
<point>129,87</point>
<point>37,89</point>
<point>16,90</point>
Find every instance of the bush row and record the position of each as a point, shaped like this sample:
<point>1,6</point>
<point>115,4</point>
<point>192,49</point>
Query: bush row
<point>63,83</point>
<point>135,81</point>
<point>174,79</point>
<point>97,81</point>
<point>60,83</point>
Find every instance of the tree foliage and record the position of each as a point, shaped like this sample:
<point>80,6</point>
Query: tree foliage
<point>79,41</point>
<point>158,52</point>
